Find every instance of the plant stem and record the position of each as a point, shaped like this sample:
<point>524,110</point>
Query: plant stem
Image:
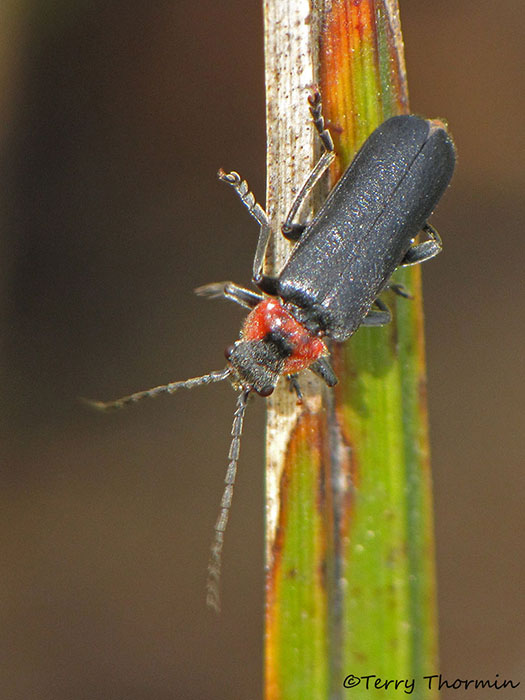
<point>349,548</point>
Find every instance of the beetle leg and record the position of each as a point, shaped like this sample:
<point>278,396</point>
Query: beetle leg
<point>294,386</point>
<point>323,369</point>
<point>378,318</point>
<point>268,285</point>
<point>246,196</point>
<point>248,199</point>
<point>316,110</point>
<point>424,251</point>
<point>293,232</point>
<point>398,289</point>
<point>289,229</point>
<point>230,291</point>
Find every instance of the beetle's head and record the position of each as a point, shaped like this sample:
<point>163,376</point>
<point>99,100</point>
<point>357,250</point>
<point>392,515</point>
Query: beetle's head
<point>257,364</point>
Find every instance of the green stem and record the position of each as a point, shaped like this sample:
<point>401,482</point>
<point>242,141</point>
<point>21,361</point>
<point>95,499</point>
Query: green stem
<point>350,582</point>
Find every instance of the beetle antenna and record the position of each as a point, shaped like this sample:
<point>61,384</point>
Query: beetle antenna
<point>171,388</point>
<point>214,564</point>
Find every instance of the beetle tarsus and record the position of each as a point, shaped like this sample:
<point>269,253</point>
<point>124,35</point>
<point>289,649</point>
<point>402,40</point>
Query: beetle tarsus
<point>231,291</point>
<point>245,194</point>
<point>316,110</point>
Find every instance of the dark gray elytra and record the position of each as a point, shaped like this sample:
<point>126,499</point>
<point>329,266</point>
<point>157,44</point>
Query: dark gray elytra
<point>364,230</point>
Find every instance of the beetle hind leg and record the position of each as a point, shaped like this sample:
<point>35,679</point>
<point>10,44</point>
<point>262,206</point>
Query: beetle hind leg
<point>398,289</point>
<point>420,252</point>
<point>316,110</point>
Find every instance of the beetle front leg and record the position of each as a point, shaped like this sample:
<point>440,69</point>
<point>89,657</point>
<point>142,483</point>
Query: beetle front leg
<point>231,291</point>
<point>324,370</point>
<point>290,230</point>
<point>293,384</point>
<point>424,251</point>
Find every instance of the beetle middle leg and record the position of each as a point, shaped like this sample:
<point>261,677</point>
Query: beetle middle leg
<point>378,318</point>
<point>290,230</point>
<point>231,291</point>
<point>248,199</point>
<point>420,252</point>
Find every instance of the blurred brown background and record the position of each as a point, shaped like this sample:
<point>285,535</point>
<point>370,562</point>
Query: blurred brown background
<point>114,120</point>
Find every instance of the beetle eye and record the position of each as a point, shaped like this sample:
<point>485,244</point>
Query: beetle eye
<point>229,351</point>
<point>265,390</point>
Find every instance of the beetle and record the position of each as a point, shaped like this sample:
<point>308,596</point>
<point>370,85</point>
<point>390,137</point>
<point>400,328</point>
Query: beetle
<point>330,284</point>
